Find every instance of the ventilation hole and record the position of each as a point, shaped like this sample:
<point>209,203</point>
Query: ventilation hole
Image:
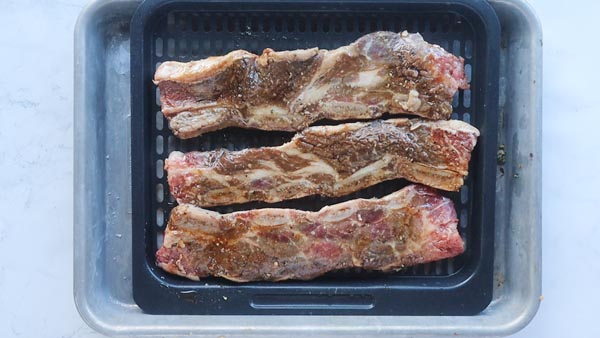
<point>160,146</point>
<point>160,193</point>
<point>430,26</point>
<point>219,46</point>
<point>427,269</point>
<point>349,26</point>
<point>159,120</point>
<point>254,24</point>
<point>444,44</point>
<point>313,25</point>
<point>170,21</point>
<point>206,46</point>
<point>362,25</point>
<point>290,25</point>
<point>158,47</point>
<point>466,117</point>
<point>170,143</point>
<point>464,194</point>
<point>445,23</point>
<point>302,25</point>
<point>326,25</point>
<point>183,50</point>
<point>195,47</point>
<point>464,218</point>
<point>456,47</point>
<point>171,198</point>
<point>467,98</point>
<point>182,26</point>
<point>397,26</point>
<point>171,47</point>
<point>159,239</point>
<point>337,25</point>
<point>157,97</point>
<point>230,24</point>
<point>229,45</point>
<point>373,25</point>
<point>468,72</point>
<point>450,266</point>
<point>463,236</point>
<point>194,23</point>
<point>468,49</point>
<point>266,26</point>
<point>438,268</point>
<point>278,24</point>
<point>160,217</point>
<point>243,25</point>
<point>206,26</point>
<point>160,168</point>
<point>219,23</point>
<point>455,100</point>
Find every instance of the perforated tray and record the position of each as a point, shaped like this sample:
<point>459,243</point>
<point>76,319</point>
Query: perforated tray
<point>189,30</point>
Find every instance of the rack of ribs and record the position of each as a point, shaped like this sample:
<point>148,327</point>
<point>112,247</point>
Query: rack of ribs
<point>327,160</point>
<point>382,72</point>
<point>411,226</point>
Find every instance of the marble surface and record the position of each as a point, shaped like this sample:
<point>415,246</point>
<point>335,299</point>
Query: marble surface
<point>36,161</point>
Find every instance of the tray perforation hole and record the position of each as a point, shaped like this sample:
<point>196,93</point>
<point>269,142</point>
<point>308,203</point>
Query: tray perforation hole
<point>159,119</point>
<point>160,193</point>
<point>467,98</point>
<point>206,26</point>
<point>468,71</point>
<point>160,170</point>
<point>231,24</point>
<point>466,117</point>
<point>183,48</point>
<point>182,22</point>
<point>160,217</point>
<point>337,24</point>
<point>301,24</point>
<point>468,49</point>
<point>159,145</point>
<point>171,47</point>
<point>464,218</point>
<point>218,22</point>
<point>278,24</point>
<point>195,48</point>
<point>445,24</point>
<point>170,21</point>
<point>158,47</point>
<point>362,25</point>
<point>266,26</point>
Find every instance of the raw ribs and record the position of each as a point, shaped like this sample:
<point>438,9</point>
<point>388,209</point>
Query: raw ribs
<point>383,72</point>
<point>411,226</point>
<point>328,161</point>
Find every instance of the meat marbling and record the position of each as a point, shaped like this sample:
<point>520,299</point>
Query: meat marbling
<point>397,73</point>
<point>411,226</point>
<point>327,160</point>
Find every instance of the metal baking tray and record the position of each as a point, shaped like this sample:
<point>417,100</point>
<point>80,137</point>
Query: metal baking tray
<point>185,30</point>
<point>102,233</point>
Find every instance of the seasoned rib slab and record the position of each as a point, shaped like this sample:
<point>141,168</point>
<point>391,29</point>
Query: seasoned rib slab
<point>411,226</point>
<point>381,72</point>
<point>327,160</point>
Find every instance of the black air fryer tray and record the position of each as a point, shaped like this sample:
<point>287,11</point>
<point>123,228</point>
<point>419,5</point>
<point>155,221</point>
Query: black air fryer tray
<point>191,30</point>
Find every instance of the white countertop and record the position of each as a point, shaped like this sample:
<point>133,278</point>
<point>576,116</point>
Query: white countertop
<point>36,161</point>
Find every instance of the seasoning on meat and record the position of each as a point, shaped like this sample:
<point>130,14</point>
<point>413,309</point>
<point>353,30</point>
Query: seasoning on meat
<point>397,73</point>
<point>327,160</point>
<point>411,226</point>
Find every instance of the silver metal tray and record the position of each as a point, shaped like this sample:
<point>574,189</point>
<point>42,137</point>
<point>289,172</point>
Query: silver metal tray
<point>102,220</point>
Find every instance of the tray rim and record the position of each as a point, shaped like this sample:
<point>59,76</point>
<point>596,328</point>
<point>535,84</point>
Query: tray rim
<point>107,316</point>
